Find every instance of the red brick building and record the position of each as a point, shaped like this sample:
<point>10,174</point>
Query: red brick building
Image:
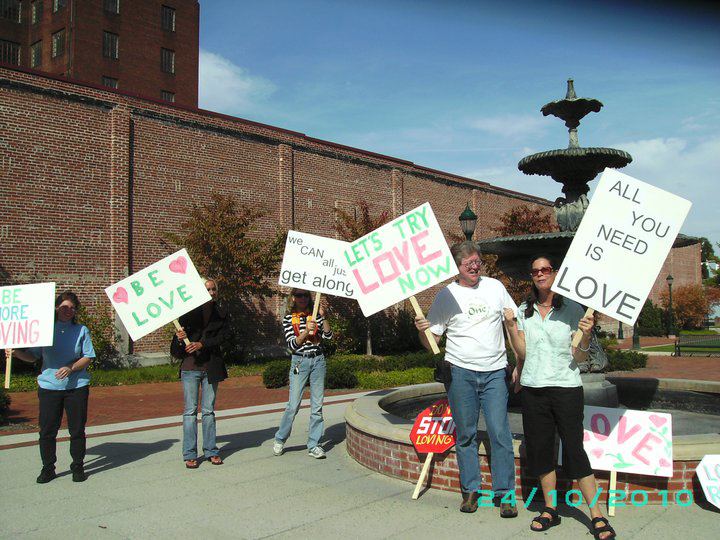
<point>90,178</point>
<point>145,47</point>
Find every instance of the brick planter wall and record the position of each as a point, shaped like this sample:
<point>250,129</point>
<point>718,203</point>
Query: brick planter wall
<point>401,461</point>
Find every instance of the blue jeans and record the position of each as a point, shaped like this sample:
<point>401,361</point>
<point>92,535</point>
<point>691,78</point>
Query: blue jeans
<point>192,381</point>
<point>469,392</point>
<point>308,368</point>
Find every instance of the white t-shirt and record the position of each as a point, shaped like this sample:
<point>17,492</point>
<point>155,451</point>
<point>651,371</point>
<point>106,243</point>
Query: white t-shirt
<point>472,318</point>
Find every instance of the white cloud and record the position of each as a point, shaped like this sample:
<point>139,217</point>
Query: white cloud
<point>512,126</point>
<point>228,88</point>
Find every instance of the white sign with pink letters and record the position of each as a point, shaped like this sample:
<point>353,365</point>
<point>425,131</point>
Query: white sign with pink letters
<point>629,441</point>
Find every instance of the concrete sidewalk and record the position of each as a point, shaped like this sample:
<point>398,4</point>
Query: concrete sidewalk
<point>138,488</point>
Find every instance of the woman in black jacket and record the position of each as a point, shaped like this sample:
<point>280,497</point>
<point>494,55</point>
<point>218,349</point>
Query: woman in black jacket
<point>201,366</point>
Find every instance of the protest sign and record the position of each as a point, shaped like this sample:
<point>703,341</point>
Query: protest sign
<point>399,260</point>
<point>433,433</point>
<point>27,318</point>
<point>637,442</point>
<point>315,263</point>
<point>620,246</point>
<point>708,472</point>
<point>158,294</point>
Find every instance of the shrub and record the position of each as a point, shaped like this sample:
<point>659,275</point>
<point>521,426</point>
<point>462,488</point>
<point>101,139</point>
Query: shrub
<point>103,334</point>
<point>621,360</point>
<point>650,320</point>
<point>277,374</point>
<point>340,375</point>
<point>387,379</point>
<point>4,405</point>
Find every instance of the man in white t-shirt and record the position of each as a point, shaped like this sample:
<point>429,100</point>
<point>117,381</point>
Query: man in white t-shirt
<point>470,312</point>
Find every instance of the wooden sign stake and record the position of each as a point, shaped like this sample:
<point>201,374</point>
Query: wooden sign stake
<point>178,327</point>
<point>577,337</point>
<point>611,488</point>
<point>430,336</point>
<point>425,469</point>
<point>8,366</point>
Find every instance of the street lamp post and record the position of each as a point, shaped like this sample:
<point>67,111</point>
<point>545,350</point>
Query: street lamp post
<point>468,221</point>
<point>671,322</point>
<point>636,338</point>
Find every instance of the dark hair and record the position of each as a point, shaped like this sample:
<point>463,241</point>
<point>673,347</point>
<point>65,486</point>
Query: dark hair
<point>532,296</point>
<point>68,295</point>
<point>292,307</point>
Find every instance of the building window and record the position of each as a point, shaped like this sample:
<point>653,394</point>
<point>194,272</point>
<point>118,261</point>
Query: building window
<point>36,54</point>
<point>36,11</point>
<point>167,96</point>
<point>110,45</point>
<point>58,5</point>
<point>167,61</point>
<point>58,44</point>
<point>10,10</point>
<point>9,52</point>
<point>168,18</point>
<point>110,82</point>
<point>112,6</point>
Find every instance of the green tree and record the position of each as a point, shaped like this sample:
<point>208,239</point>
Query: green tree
<point>350,226</point>
<point>224,242</point>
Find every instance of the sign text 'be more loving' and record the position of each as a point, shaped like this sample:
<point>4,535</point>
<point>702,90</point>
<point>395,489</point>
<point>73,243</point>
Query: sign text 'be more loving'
<point>620,246</point>
<point>158,294</point>
<point>399,259</point>
<point>27,315</point>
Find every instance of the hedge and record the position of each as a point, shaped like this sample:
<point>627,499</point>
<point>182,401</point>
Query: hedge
<point>621,360</point>
<point>4,405</point>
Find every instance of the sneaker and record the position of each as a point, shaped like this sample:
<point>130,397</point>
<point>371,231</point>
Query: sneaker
<point>317,453</point>
<point>79,475</point>
<point>469,502</point>
<point>278,448</point>
<point>46,475</point>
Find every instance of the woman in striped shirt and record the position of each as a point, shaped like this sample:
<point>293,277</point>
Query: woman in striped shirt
<point>304,339</point>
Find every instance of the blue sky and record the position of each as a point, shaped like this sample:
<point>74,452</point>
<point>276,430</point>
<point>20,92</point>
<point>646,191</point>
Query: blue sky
<point>458,85</point>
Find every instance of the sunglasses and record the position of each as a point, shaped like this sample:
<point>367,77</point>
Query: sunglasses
<point>545,270</point>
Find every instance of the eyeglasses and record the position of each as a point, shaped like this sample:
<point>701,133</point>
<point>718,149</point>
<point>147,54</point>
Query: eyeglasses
<point>471,264</point>
<point>545,270</point>
<point>68,308</point>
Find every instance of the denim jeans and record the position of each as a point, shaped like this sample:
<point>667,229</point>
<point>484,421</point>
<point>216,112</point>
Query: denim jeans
<point>469,392</point>
<point>192,381</point>
<point>308,368</point>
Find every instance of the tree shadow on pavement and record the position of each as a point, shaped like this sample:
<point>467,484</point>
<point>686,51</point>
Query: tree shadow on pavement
<point>235,442</point>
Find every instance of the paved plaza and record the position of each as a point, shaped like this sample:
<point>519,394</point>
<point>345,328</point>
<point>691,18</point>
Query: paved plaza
<point>138,488</point>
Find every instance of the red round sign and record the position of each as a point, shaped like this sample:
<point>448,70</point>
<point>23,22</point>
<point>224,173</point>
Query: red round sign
<point>434,429</point>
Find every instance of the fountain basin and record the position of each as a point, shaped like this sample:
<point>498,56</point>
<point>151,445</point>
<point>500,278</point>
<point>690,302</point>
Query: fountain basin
<point>378,437</point>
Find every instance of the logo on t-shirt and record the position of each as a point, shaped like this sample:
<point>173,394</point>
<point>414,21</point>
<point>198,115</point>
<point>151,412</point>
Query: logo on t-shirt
<point>478,311</point>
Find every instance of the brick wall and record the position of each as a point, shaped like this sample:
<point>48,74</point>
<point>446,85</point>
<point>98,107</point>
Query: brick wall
<point>92,178</point>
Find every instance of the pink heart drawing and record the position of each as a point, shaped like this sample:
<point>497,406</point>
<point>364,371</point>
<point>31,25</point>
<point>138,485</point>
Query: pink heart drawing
<point>586,436</point>
<point>665,463</point>
<point>657,419</point>
<point>120,296</point>
<point>597,452</point>
<point>179,265</point>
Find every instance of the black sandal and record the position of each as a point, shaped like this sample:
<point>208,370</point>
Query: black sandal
<point>606,528</point>
<point>546,523</point>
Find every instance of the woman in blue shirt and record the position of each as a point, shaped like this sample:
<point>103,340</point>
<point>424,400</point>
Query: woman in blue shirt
<point>63,384</point>
<point>552,391</point>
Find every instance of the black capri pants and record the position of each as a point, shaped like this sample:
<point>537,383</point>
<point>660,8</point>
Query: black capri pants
<point>545,411</point>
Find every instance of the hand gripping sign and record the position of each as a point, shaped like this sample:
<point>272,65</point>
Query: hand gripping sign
<point>398,260</point>
<point>708,472</point>
<point>620,246</point>
<point>315,263</point>
<point>158,294</point>
<point>433,433</point>
<point>27,318</point>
